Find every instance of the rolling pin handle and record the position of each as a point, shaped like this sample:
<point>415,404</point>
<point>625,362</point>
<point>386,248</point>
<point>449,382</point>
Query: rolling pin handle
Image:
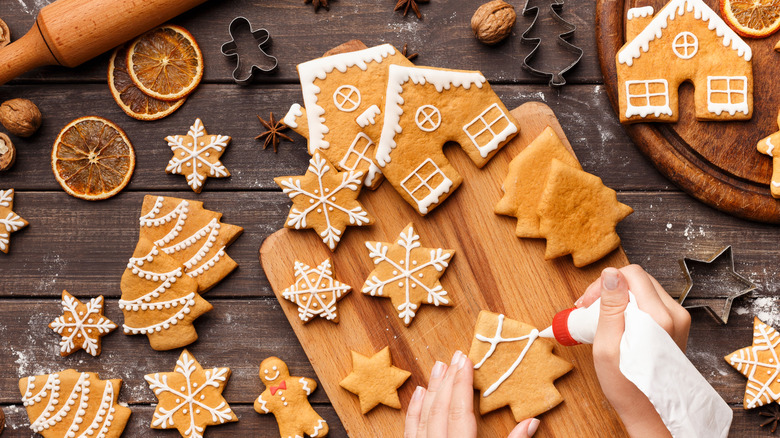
<point>24,54</point>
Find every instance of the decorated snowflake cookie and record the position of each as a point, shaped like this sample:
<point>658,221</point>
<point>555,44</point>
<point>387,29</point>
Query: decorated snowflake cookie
<point>9,221</point>
<point>81,325</point>
<point>760,363</point>
<point>407,273</point>
<point>375,380</point>
<point>315,291</point>
<point>287,397</point>
<point>196,155</point>
<point>74,404</point>
<point>190,398</point>
<point>325,200</point>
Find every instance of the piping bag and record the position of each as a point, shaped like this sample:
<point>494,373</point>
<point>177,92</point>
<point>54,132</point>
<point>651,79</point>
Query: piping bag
<point>649,358</point>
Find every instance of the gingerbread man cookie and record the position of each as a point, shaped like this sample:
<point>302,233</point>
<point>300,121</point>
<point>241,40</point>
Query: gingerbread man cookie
<point>286,397</point>
<point>769,146</point>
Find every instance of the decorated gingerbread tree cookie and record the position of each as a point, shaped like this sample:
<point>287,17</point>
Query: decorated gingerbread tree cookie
<point>9,221</point>
<point>196,155</point>
<point>760,363</point>
<point>286,397</point>
<point>81,325</point>
<point>316,292</point>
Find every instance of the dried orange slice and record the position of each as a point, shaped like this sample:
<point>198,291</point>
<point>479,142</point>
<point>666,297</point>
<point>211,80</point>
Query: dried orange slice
<point>92,158</point>
<point>165,63</point>
<point>752,18</point>
<point>132,101</point>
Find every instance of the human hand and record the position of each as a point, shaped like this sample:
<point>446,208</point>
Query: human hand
<point>633,407</point>
<point>446,408</point>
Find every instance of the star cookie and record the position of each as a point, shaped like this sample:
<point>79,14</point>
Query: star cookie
<point>95,411</point>
<point>527,178</point>
<point>375,380</point>
<point>325,199</point>
<point>9,221</point>
<point>190,398</point>
<point>315,291</point>
<point>760,364</point>
<point>407,273</point>
<point>196,155</point>
<point>578,215</point>
<point>513,367</point>
<point>81,325</point>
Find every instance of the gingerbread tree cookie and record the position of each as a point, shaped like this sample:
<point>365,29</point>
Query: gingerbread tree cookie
<point>578,215</point>
<point>315,291</point>
<point>190,398</point>
<point>9,221</point>
<point>407,273</point>
<point>81,325</point>
<point>767,146</point>
<point>73,404</point>
<point>375,380</point>
<point>513,367</point>
<point>159,300</point>
<point>760,363</point>
<point>196,155</point>
<point>192,235</point>
<point>325,200</point>
<point>286,397</point>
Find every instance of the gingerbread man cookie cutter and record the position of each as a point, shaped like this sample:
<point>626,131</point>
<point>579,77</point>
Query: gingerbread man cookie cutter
<point>248,61</point>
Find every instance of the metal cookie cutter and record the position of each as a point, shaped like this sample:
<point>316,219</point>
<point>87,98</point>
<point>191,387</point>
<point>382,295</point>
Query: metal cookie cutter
<point>248,60</point>
<point>564,31</point>
<point>720,313</point>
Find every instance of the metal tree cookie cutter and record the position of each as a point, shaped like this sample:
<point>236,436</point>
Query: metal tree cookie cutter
<point>721,316</point>
<point>248,60</point>
<point>556,76</point>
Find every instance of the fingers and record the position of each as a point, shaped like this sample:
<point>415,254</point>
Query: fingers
<point>439,413</point>
<point>525,429</point>
<point>461,421</point>
<point>680,316</point>
<point>413,413</point>
<point>592,293</point>
<point>647,297</point>
<point>614,299</point>
<point>437,374</point>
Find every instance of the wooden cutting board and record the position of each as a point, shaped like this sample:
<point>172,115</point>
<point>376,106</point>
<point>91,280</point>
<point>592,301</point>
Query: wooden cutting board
<point>716,163</point>
<point>492,269</point>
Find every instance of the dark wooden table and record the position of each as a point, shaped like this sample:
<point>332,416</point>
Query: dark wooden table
<point>83,247</point>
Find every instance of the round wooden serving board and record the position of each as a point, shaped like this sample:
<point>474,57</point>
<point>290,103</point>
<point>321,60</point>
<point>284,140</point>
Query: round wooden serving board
<point>715,162</point>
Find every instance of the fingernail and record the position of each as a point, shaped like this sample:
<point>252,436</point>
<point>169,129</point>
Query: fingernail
<point>456,358</point>
<point>609,278</point>
<point>532,426</point>
<point>578,303</point>
<point>438,370</point>
<point>418,392</point>
<point>462,362</point>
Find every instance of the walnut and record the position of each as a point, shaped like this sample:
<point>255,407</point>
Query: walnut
<point>7,152</point>
<point>20,117</point>
<point>493,21</point>
<point>5,34</point>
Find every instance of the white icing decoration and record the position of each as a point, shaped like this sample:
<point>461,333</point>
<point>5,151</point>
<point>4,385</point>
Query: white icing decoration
<point>293,114</point>
<point>770,147</point>
<point>305,385</point>
<point>318,295</point>
<point>276,376</point>
<point>654,30</point>
<point>420,182</point>
<point>647,109</point>
<point>357,152</point>
<point>80,323</point>
<point>368,117</point>
<point>320,425</point>
<point>12,222</point>
<point>497,339</point>
<point>685,45</point>
<point>347,98</point>
<point>6,196</point>
<point>407,274</point>
<point>496,137</point>
<point>397,77</point>
<point>189,155</point>
<point>428,118</point>
<point>747,362</point>
<point>263,404</point>
<point>319,69</point>
<point>731,108</point>
<point>641,12</point>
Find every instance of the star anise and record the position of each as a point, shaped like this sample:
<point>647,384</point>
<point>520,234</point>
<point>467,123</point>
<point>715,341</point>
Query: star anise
<point>406,4</point>
<point>774,416</point>
<point>409,56</point>
<point>273,136</point>
<point>318,3</point>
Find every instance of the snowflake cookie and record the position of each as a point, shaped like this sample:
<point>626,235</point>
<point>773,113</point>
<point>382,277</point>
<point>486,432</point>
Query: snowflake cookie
<point>287,397</point>
<point>190,398</point>
<point>196,155</point>
<point>375,380</point>
<point>74,404</point>
<point>81,325</point>
<point>407,273</point>
<point>9,221</point>
<point>760,363</point>
<point>325,199</point>
<point>514,367</point>
<point>315,291</point>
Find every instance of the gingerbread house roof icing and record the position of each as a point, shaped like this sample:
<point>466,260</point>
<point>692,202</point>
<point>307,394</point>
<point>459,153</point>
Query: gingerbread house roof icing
<point>319,69</point>
<point>398,76</point>
<point>673,9</point>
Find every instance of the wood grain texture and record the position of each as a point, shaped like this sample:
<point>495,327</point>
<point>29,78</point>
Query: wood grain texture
<point>489,266</point>
<point>715,162</point>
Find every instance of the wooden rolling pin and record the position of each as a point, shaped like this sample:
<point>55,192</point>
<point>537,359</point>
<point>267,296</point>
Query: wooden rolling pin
<point>69,32</point>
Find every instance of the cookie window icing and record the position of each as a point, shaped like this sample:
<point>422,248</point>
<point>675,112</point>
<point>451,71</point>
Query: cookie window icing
<point>347,98</point>
<point>647,97</point>
<point>428,118</point>
<point>489,129</point>
<point>426,184</point>
<point>685,45</point>
<point>727,93</point>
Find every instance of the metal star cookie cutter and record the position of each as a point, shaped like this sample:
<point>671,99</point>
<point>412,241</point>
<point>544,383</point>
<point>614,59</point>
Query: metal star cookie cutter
<point>556,77</point>
<point>241,74</point>
<point>723,316</point>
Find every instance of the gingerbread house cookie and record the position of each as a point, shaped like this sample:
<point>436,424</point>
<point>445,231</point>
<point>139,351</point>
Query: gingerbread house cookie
<point>427,107</point>
<point>685,41</point>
